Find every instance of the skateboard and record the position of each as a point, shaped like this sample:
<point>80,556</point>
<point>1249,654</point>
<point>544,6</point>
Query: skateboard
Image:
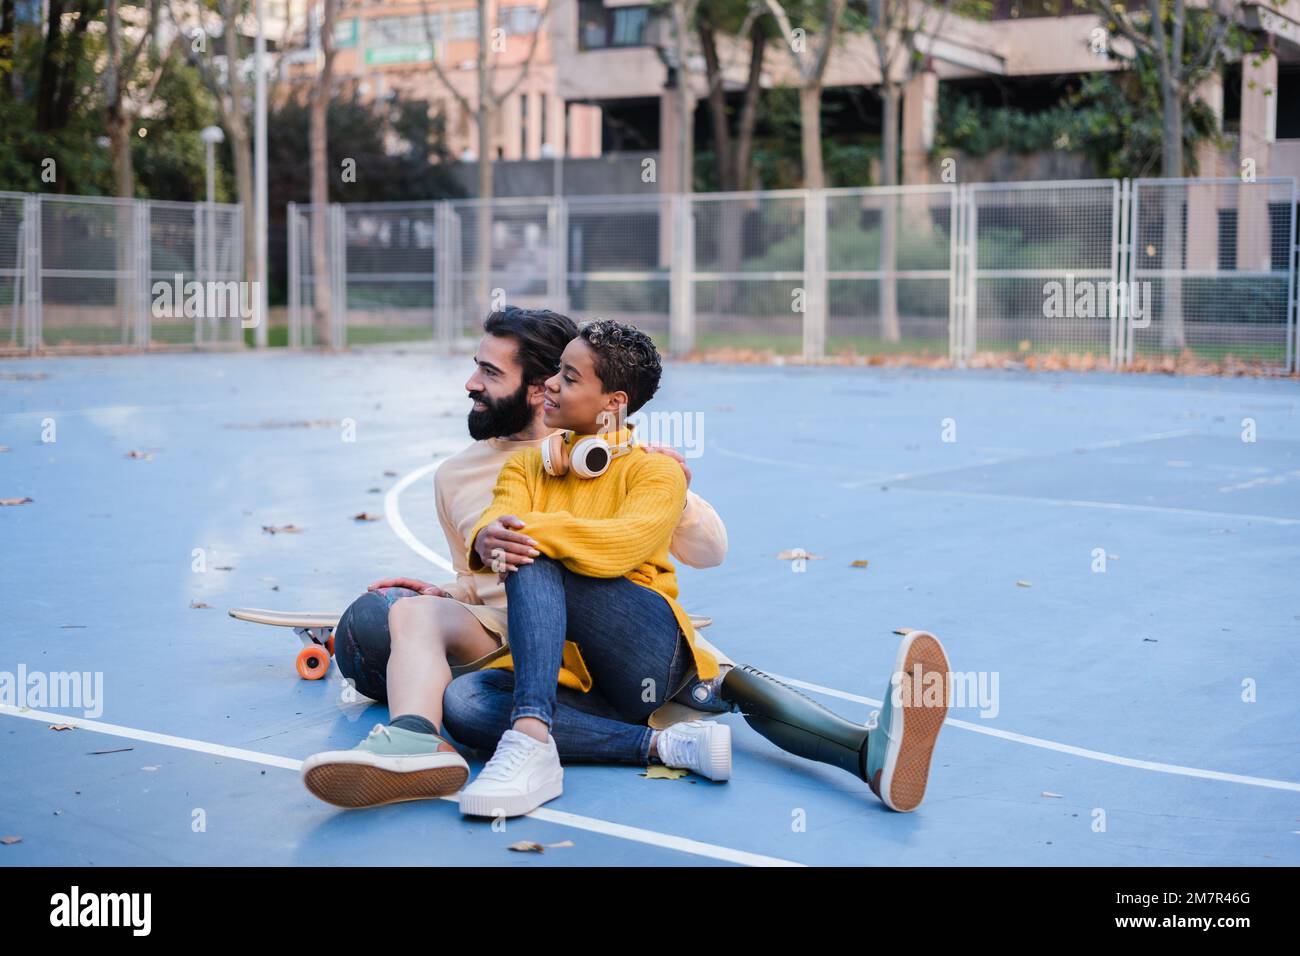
<point>316,631</point>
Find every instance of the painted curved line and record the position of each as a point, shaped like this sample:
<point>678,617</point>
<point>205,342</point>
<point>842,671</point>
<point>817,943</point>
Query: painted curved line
<point>393,512</point>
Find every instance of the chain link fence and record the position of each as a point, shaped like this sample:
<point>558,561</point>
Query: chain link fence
<point>1106,270</point>
<point>95,272</point>
<point>1115,271</point>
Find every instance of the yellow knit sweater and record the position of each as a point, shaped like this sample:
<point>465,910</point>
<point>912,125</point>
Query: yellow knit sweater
<point>617,525</point>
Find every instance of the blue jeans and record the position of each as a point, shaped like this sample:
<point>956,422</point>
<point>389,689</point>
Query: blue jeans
<point>630,642</point>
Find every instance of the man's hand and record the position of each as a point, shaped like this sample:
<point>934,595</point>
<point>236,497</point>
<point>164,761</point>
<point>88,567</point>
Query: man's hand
<point>421,587</point>
<point>675,455</point>
<point>502,549</point>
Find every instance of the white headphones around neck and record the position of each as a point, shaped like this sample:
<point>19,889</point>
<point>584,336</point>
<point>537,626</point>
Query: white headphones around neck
<point>589,458</point>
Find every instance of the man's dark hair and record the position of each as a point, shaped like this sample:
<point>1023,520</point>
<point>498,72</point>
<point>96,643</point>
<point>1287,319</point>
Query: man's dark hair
<point>625,359</point>
<point>540,335</point>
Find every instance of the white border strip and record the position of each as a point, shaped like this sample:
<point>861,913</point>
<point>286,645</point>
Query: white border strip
<point>666,841</point>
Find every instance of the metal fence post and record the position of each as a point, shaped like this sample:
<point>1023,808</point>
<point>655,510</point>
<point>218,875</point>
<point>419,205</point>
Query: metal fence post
<point>442,273</point>
<point>144,323</point>
<point>295,292</point>
<point>1293,264</point>
<point>681,320</point>
<point>814,274</point>
<point>956,271</point>
<point>32,282</point>
<point>557,222</point>
<point>336,230</point>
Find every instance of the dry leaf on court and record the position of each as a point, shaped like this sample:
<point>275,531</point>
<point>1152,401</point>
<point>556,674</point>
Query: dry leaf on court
<point>1023,584</point>
<point>14,501</point>
<point>860,563</point>
<point>904,630</point>
<point>62,727</point>
<point>660,772</point>
<point>139,455</point>
<point>798,553</point>
<point>1048,793</point>
<point>366,516</point>
<point>10,840</point>
<point>199,604</point>
<point>3,449</point>
<point>282,529</point>
<point>390,474</point>
<point>527,846</point>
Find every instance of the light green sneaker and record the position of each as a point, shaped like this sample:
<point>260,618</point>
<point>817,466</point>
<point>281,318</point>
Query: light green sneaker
<point>901,741</point>
<point>391,765</point>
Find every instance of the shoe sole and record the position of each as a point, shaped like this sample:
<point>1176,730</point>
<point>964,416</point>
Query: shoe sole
<point>718,746</point>
<point>357,785</point>
<point>511,805</point>
<point>902,781</point>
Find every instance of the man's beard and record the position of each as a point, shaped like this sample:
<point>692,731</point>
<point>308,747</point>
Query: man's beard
<point>502,417</point>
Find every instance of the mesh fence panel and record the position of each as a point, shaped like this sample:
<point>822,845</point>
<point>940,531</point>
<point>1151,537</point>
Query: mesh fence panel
<point>194,243</point>
<point>1211,262</point>
<point>13,318</point>
<point>619,262</point>
<point>1044,263</point>
<point>90,285</point>
<point>889,259</point>
<point>748,270</point>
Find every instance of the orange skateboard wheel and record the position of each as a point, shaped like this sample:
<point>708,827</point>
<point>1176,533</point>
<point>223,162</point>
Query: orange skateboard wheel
<point>330,644</point>
<point>313,662</point>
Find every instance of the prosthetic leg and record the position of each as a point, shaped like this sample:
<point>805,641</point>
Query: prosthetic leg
<point>794,722</point>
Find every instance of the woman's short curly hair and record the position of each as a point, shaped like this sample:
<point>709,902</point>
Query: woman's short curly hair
<point>625,359</point>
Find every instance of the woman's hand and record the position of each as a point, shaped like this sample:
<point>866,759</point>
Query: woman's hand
<point>420,587</point>
<point>502,549</point>
<point>675,455</point>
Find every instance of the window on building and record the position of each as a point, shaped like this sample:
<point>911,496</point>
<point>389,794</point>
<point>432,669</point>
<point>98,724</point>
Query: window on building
<point>601,28</point>
<point>464,24</point>
<point>518,20</point>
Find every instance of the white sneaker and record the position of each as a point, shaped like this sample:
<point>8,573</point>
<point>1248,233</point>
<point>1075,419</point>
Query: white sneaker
<point>701,746</point>
<point>522,775</point>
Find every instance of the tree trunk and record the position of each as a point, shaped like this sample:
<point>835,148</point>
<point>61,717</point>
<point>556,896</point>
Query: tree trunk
<point>318,136</point>
<point>486,116</point>
<point>1172,326</point>
<point>889,324</point>
<point>810,121</point>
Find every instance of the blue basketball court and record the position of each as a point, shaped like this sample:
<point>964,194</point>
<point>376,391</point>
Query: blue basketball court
<point>1109,559</point>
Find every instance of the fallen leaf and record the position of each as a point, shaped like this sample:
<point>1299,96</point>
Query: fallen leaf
<point>14,501</point>
<point>390,474</point>
<point>62,727</point>
<point>798,553</point>
<point>140,455</point>
<point>1150,640</point>
<point>660,772</point>
<point>282,529</point>
<point>10,840</point>
<point>904,630</point>
<point>860,563</point>
<point>224,567</point>
<point>1048,793</point>
<point>1023,584</point>
<point>375,491</point>
<point>527,846</point>
<point>366,516</point>
<point>3,449</point>
<point>198,604</point>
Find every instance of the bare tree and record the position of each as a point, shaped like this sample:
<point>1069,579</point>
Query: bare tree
<point>124,100</point>
<point>484,113</point>
<point>896,28</point>
<point>810,59</point>
<point>231,97</point>
<point>320,100</point>
<point>1159,34</point>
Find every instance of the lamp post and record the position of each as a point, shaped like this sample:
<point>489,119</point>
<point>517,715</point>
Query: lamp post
<point>211,136</point>
<point>259,174</point>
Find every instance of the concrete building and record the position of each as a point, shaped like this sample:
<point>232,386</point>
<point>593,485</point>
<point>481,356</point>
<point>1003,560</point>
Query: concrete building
<point>594,72</point>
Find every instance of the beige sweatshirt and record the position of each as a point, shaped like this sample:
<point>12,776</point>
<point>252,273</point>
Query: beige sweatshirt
<point>463,488</point>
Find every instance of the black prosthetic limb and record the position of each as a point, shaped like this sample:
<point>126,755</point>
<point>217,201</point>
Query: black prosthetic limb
<point>794,722</point>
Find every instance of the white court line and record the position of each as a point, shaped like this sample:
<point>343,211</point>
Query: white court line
<point>667,841</point>
<point>1069,748</point>
<point>1105,505</point>
<point>393,511</point>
